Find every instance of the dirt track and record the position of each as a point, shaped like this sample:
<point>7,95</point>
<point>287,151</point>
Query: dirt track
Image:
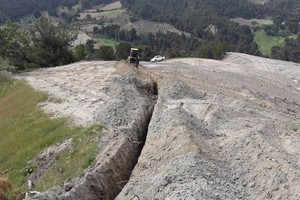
<point>219,130</point>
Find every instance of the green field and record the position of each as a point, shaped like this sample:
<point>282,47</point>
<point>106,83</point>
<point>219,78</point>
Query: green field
<point>25,131</point>
<point>109,14</point>
<point>106,42</point>
<point>263,21</point>
<point>266,42</point>
<point>250,22</point>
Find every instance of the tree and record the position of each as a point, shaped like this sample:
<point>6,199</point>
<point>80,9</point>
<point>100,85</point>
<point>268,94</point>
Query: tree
<point>132,35</point>
<point>122,50</point>
<point>50,44</point>
<point>79,52</point>
<point>12,40</point>
<point>14,45</point>
<point>146,53</point>
<point>105,53</point>
<point>88,17</point>
<point>96,30</point>
<point>89,47</point>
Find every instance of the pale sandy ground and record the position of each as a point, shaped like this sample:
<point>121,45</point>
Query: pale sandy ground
<point>220,129</point>
<point>76,89</point>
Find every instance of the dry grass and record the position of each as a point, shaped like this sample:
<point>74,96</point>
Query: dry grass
<point>6,188</point>
<point>113,6</point>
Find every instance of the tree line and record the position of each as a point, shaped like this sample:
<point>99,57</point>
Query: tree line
<point>289,52</point>
<point>45,46</point>
<point>195,16</point>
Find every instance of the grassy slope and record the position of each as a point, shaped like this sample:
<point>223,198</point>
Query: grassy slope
<point>106,42</point>
<point>249,22</point>
<point>25,131</point>
<point>266,42</point>
<point>109,14</point>
<point>263,21</point>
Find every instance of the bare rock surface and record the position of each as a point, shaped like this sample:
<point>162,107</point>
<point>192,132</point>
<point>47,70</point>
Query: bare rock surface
<point>219,129</point>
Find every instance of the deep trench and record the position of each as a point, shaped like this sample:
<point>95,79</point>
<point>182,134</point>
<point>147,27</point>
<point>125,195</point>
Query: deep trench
<point>146,127</point>
<point>144,133</point>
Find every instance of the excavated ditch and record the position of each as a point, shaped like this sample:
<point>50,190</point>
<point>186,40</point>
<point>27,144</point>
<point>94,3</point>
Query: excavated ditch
<point>127,115</point>
<point>216,131</point>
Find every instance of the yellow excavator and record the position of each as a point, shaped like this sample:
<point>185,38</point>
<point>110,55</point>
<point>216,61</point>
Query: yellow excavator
<point>134,57</point>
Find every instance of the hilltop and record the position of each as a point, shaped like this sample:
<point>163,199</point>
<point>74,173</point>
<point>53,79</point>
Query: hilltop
<point>212,129</point>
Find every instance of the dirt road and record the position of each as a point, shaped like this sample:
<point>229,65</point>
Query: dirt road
<point>219,130</point>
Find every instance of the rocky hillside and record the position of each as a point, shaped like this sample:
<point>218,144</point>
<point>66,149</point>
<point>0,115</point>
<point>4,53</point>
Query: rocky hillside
<point>184,128</point>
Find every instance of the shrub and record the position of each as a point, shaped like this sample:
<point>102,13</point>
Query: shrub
<point>5,75</point>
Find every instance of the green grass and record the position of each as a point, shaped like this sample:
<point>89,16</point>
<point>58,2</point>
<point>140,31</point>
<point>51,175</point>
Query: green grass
<point>249,22</point>
<point>25,131</point>
<point>71,163</point>
<point>106,42</point>
<point>263,21</point>
<point>266,42</point>
<point>110,12</point>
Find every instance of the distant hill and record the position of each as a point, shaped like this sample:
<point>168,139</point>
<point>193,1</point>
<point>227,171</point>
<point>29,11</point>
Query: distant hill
<point>259,1</point>
<point>195,16</point>
<point>16,9</point>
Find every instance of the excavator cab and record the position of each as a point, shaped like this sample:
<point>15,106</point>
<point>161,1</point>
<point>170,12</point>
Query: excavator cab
<point>134,57</point>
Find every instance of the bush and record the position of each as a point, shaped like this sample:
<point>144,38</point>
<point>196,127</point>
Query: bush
<point>122,50</point>
<point>5,75</point>
<point>104,53</point>
<point>79,52</point>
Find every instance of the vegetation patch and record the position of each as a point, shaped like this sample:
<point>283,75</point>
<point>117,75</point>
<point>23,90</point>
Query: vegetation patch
<point>252,22</point>
<point>109,14</point>
<point>73,162</point>
<point>266,42</point>
<point>263,21</point>
<point>106,42</point>
<point>25,130</point>
<point>55,100</point>
<point>296,127</point>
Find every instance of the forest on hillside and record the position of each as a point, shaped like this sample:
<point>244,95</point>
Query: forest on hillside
<point>195,16</point>
<point>211,32</point>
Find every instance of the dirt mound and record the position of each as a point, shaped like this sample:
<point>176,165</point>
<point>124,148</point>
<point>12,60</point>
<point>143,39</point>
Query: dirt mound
<point>225,141</point>
<point>218,130</point>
